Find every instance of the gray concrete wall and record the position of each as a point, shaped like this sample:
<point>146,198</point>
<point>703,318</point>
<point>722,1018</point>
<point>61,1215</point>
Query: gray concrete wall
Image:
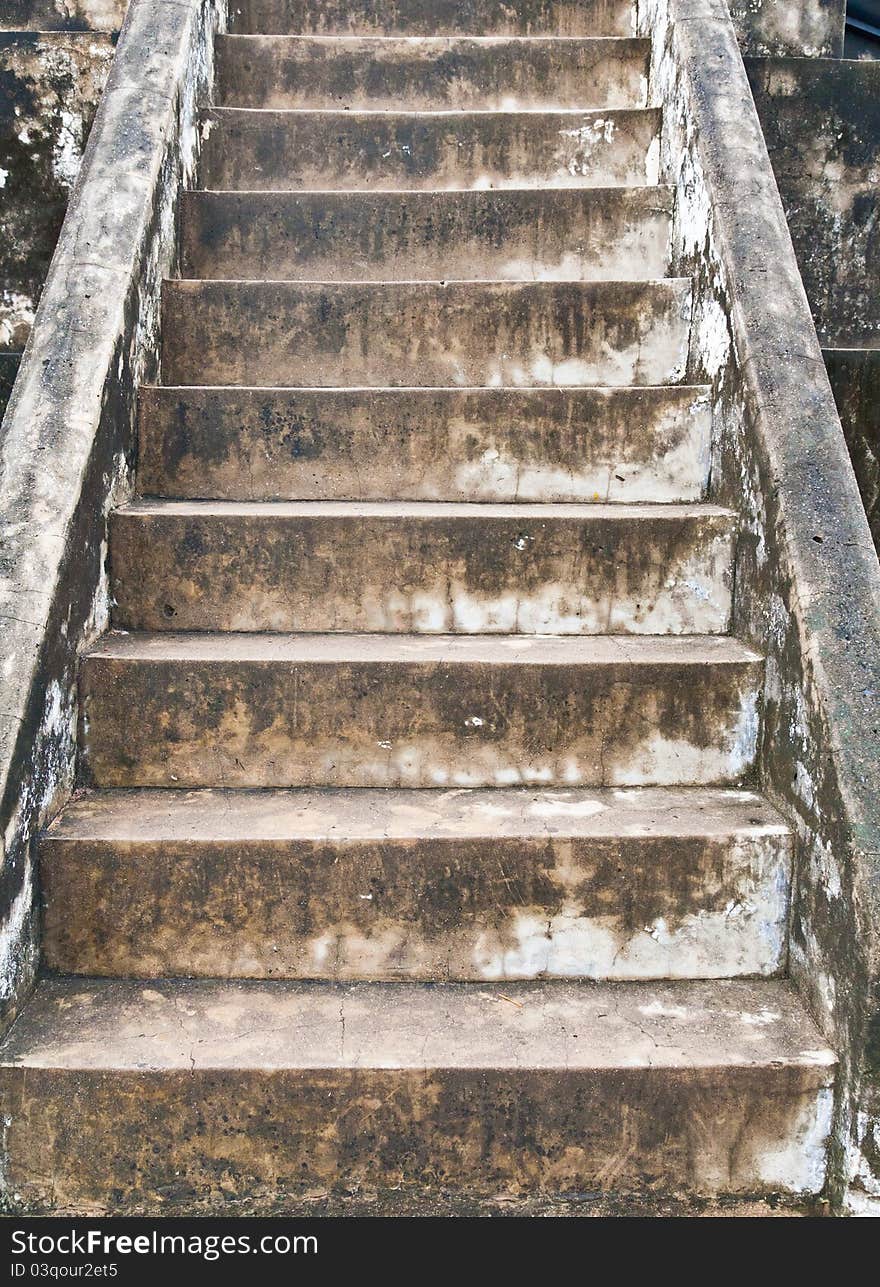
<point>855,380</point>
<point>821,121</point>
<point>62,15</point>
<point>813,28</point>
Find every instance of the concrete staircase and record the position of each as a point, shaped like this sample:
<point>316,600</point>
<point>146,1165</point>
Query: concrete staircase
<point>420,852</point>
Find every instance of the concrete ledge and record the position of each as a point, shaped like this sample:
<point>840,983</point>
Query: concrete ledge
<point>68,436</point>
<point>808,581</point>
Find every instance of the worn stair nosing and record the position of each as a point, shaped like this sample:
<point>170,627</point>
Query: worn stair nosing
<point>589,511</point>
<point>416,1003</point>
<point>144,815</point>
<point>442,650</point>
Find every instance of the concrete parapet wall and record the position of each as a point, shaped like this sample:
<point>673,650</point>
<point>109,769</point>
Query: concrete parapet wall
<point>807,578</point>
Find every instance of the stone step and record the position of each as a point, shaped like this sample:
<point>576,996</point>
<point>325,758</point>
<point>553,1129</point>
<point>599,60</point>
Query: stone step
<point>425,333</point>
<point>417,567</point>
<point>415,18</point>
<point>463,73</point>
<point>216,1095</point>
<point>339,150</point>
<point>588,444</point>
<point>262,710</point>
<point>574,235</point>
<point>501,884</point>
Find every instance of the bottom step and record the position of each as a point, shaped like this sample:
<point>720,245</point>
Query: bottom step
<point>187,1096</point>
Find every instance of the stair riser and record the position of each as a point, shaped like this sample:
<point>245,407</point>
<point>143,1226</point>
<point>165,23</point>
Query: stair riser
<point>457,74</point>
<point>483,445</point>
<point>278,333</point>
<point>146,1138</point>
<point>618,234</point>
<point>316,151</point>
<point>202,723</point>
<point>460,574</point>
<point>415,18</point>
<point>490,908</point>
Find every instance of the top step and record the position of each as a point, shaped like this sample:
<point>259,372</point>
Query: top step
<point>440,18</point>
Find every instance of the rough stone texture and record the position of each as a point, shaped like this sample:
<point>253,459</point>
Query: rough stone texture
<point>445,17</point>
<point>855,380</point>
<point>425,444</point>
<point>456,333</point>
<point>339,150</point>
<point>117,1089</point>
<point>67,436</point>
<point>809,28</point>
<point>415,710</point>
<point>438,73</point>
<point>592,234</point>
<point>9,364</point>
<point>422,567</point>
<point>821,122</point>
<point>50,85</point>
<point>808,582</point>
<point>351,884</point>
<point>62,15</point>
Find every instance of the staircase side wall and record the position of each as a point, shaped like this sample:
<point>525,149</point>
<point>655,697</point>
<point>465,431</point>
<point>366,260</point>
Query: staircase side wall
<point>67,441</point>
<point>807,577</point>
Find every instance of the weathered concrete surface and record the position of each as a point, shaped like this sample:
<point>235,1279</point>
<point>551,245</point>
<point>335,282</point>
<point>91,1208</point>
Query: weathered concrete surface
<point>821,122</point>
<point>62,15</point>
<point>339,150</point>
<point>456,333</point>
<point>114,1088</point>
<point>632,444</point>
<point>808,582</point>
<point>9,364</point>
<point>462,73</point>
<point>67,436</point>
<point>50,85</point>
<point>446,17</point>
<point>415,710</point>
<point>596,233</point>
<point>855,381</point>
<point>423,568</point>
<point>806,28</point>
<point>409,884</point>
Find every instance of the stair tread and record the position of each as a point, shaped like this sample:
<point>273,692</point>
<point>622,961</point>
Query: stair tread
<point>243,816</point>
<point>562,393</point>
<point>429,113</point>
<point>347,38</point>
<point>622,192</point>
<point>503,286</point>
<point>528,650</point>
<point>173,1025</point>
<point>589,511</point>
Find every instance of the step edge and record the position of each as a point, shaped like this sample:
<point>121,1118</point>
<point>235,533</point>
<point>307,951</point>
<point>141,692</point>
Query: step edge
<point>719,649</point>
